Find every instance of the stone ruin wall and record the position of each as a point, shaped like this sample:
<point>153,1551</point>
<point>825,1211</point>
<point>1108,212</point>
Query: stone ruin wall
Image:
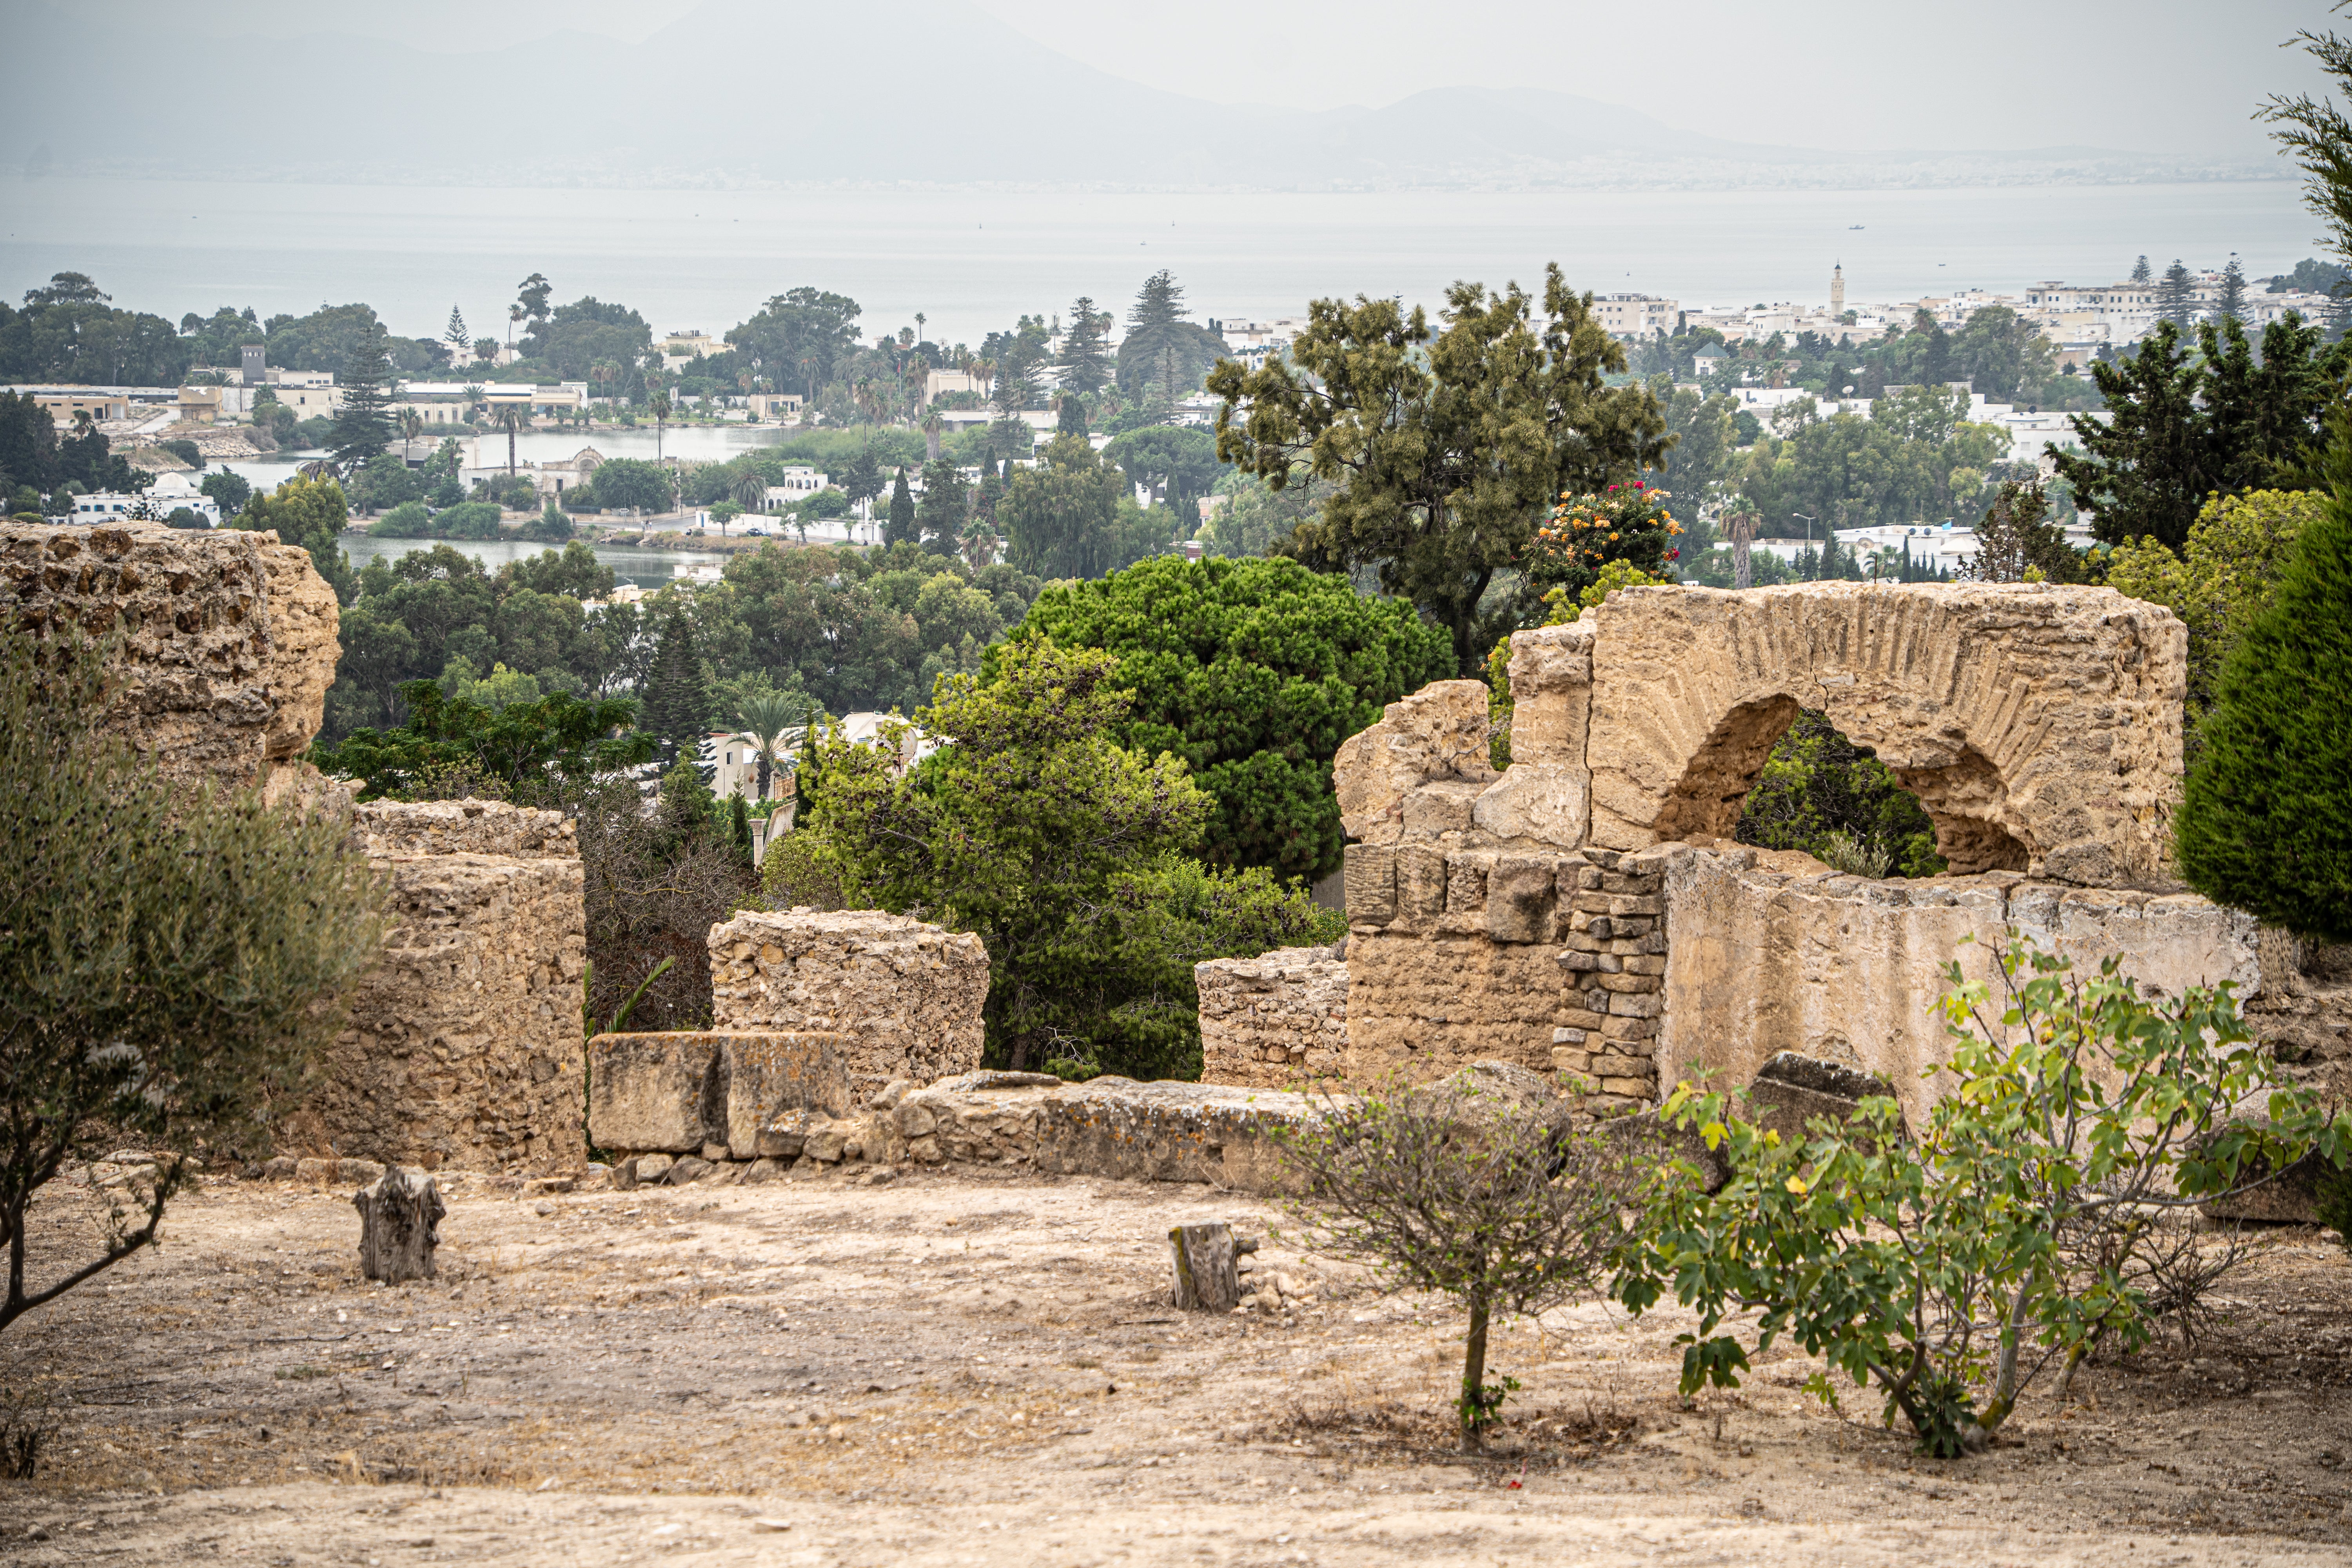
<point>1583,912</point>
<point>1276,1020</point>
<point>227,638</point>
<point>906,995</point>
<point>462,1045</point>
<point>461,1049</point>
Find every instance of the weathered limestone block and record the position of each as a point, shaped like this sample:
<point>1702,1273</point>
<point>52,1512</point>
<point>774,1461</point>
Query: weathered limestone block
<point>680,1092</point>
<point>908,995</point>
<point>1790,1090</point>
<point>227,638</point>
<point>1436,736</point>
<point>1551,695</point>
<point>2039,725</point>
<point>392,829</point>
<point>462,1047</point>
<point>1849,971</point>
<point>1274,1019</point>
<point>1535,804</point>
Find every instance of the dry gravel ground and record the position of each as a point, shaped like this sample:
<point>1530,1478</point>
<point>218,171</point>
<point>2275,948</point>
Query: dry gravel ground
<point>976,1370</point>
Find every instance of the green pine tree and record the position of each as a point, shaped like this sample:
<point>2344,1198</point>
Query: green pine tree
<point>1086,365</point>
<point>362,426</point>
<point>2265,822</point>
<point>677,700</point>
<point>901,523</point>
<point>2139,272</point>
<point>2230,303</point>
<point>2176,297</point>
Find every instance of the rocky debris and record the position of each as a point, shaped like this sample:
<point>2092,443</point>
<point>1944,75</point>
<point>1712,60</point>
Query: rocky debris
<point>1791,1089</point>
<point>226,639</point>
<point>683,1092</point>
<point>1274,1019</point>
<point>906,995</point>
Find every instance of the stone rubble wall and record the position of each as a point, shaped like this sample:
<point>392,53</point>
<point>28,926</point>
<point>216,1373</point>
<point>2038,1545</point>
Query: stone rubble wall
<point>227,638</point>
<point>400,829</point>
<point>1554,962</point>
<point>1273,1020</point>
<point>462,1044</point>
<point>687,1092</point>
<point>907,995</point>
<point>1774,953</point>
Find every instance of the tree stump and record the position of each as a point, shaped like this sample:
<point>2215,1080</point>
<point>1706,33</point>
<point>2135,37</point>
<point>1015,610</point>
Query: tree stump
<point>1205,1279</point>
<point>400,1221</point>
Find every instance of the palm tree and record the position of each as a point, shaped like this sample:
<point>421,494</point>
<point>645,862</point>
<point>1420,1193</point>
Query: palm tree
<point>412,425</point>
<point>511,417</point>
<point>766,720</point>
<point>750,491</point>
<point>979,543</point>
<point>602,374</point>
<point>920,320</point>
<point>658,405</point>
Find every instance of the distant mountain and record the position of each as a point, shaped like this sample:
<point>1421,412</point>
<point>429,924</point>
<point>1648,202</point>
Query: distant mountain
<point>884,92</point>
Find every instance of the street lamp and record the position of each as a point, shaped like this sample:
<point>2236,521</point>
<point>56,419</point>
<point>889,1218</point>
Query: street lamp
<point>1809,540</point>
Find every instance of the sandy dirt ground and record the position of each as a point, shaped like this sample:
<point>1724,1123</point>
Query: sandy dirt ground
<point>969,1369</point>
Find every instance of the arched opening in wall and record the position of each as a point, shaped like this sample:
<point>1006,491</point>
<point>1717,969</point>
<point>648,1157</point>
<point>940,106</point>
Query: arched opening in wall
<point>1818,792</point>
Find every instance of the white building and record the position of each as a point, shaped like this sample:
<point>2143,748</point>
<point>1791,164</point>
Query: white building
<point>1636,315</point>
<point>167,495</point>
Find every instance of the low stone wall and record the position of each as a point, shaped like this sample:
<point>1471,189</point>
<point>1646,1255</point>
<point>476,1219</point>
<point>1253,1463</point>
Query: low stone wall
<point>462,1046</point>
<point>1552,962</point>
<point>908,995</point>
<point>1274,1019</point>
<point>227,638</point>
<point>1850,971</point>
<point>1224,1136</point>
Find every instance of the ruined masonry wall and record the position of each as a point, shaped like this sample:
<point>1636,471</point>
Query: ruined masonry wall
<point>391,829</point>
<point>226,637</point>
<point>462,1045</point>
<point>1850,971</point>
<point>1270,1021</point>
<point>908,995</point>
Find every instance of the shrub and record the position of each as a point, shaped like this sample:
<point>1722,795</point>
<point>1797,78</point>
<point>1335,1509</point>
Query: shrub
<point>1463,1187</point>
<point>406,520</point>
<point>2265,821</point>
<point>1820,793</point>
<point>187,451</point>
<point>164,962</point>
<point>2024,1225</point>
<point>475,520</point>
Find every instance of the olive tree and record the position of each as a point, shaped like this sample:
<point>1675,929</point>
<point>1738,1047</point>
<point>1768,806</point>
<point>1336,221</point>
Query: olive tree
<point>1465,1187</point>
<point>166,962</point>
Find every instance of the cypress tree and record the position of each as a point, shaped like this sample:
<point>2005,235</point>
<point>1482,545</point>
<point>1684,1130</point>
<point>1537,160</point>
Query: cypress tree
<point>2265,821</point>
<point>901,524</point>
<point>676,699</point>
<point>362,426</point>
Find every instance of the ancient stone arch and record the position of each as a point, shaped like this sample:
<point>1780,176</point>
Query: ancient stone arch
<point>2039,725</point>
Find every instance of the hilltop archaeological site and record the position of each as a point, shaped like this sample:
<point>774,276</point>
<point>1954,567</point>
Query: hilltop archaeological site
<point>813,1284</point>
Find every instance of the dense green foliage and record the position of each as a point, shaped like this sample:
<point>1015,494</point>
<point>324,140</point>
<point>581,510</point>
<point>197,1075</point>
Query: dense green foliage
<point>1252,672</point>
<point>1913,458</point>
<point>1072,516</point>
<point>165,972</point>
<point>68,332</point>
<point>2042,1211</point>
<point>2221,420</point>
<point>310,513</point>
<point>2003,354</point>
<point>1063,851</point>
<point>1446,449</point>
<point>2265,821</point>
<point>523,748</point>
<point>34,456</point>
<point>1816,785</point>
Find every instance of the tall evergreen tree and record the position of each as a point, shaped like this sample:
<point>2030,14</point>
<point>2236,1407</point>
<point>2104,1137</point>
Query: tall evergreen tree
<point>946,505</point>
<point>1158,303</point>
<point>1072,418</point>
<point>1085,363</point>
<point>2139,272</point>
<point>2176,297</point>
<point>2265,820</point>
<point>900,526</point>
<point>678,699</point>
<point>362,426</point>
<point>2230,301</point>
<point>460,342</point>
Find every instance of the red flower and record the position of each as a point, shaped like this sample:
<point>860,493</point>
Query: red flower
<point>1674,555</point>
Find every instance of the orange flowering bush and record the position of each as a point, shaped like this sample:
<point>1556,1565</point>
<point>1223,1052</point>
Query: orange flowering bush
<point>1628,523</point>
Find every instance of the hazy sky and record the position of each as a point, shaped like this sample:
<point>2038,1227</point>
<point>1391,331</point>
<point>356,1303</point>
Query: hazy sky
<point>2152,74</point>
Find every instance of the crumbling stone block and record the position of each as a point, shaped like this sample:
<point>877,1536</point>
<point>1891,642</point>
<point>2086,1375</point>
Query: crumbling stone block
<point>1791,1089</point>
<point>404,830</point>
<point>687,1092</point>
<point>1274,1019</point>
<point>906,995</point>
<point>1436,736</point>
<point>225,640</point>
